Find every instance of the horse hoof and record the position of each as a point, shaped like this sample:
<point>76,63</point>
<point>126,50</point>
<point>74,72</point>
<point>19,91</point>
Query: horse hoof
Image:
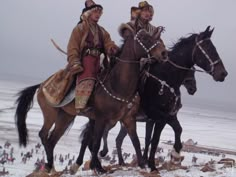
<point>99,171</point>
<point>142,165</point>
<point>154,170</point>
<point>74,168</point>
<point>103,153</point>
<point>122,163</point>
<point>46,168</point>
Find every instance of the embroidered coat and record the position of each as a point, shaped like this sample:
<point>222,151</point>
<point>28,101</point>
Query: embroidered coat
<point>77,41</point>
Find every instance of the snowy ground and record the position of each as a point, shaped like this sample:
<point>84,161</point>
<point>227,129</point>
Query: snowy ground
<point>208,128</point>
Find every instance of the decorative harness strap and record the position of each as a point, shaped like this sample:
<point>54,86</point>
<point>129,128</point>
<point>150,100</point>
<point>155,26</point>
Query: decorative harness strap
<point>130,102</point>
<point>161,91</point>
<point>140,42</point>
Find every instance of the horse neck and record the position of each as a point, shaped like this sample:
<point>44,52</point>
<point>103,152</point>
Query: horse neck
<point>181,57</point>
<point>124,77</point>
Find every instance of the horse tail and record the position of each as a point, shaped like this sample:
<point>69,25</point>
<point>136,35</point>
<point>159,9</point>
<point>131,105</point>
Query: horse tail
<point>24,103</point>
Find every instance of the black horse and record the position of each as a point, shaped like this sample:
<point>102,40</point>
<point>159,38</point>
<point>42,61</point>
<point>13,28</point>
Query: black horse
<point>196,49</point>
<point>190,84</point>
<point>159,98</point>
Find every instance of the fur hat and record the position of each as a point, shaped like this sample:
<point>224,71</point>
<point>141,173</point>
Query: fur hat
<point>145,4</point>
<point>134,12</point>
<point>90,5</point>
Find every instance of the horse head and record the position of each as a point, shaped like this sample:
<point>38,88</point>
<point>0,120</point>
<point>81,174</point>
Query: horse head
<point>206,56</point>
<point>190,82</point>
<point>145,45</point>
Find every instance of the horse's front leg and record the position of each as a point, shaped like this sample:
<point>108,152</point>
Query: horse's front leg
<point>176,158</point>
<point>97,134</point>
<point>130,124</point>
<point>155,141</point>
<point>86,140</point>
<point>104,151</point>
<point>119,140</point>
<point>149,128</point>
<point>174,123</point>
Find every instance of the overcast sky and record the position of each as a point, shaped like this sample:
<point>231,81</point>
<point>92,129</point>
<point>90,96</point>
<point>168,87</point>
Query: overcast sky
<point>26,27</point>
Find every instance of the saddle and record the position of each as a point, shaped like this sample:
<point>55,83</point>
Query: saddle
<point>58,86</point>
<point>59,89</point>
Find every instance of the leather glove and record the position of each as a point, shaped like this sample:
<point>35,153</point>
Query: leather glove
<point>113,50</point>
<point>75,68</point>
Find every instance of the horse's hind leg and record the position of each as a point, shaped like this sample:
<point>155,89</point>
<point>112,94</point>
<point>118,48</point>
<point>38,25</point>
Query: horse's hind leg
<point>148,135</point>
<point>50,115</point>
<point>130,124</point>
<point>48,122</point>
<point>61,124</point>
<point>174,123</point>
<point>155,141</point>
<point>119,140</point>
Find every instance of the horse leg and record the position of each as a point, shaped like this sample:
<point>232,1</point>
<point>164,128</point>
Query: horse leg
<point>97,134</point>
<point>61,124</point>
<point>130,125</point>
<point>119,140</point>
<point>104,151</point>
<point>86,140</point>
<point>159,125</point>
<point>148,135</point>
<point>175,154</point>
<point>174,123</point>
<point>48,123</point>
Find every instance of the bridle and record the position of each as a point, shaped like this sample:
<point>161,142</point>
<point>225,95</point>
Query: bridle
<point>212,64</point>
<point>147,50</point>
<point>131,101</point>
<point>197,45</point>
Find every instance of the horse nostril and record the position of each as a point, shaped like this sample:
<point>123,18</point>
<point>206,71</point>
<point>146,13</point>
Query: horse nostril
<point>164,54</point>
<point>224,74</point>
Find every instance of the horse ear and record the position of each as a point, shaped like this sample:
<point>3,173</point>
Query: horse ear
<point>158,31</point>
<point>125,31</point>
<point>208,28</point>
<point>208,32</point>
<point>211,31</point>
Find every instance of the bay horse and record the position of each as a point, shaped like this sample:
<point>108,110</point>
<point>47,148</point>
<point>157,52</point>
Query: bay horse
<point>114,99</point>
<point>191,86</point>
<point>159,98</point>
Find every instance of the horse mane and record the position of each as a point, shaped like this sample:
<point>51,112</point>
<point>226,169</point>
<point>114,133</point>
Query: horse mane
<point>182,41</point>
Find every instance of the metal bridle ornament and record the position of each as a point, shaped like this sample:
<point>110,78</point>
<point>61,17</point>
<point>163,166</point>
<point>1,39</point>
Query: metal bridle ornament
<point>161,91</point>
<point>143,46</point>
<point>205,54</point>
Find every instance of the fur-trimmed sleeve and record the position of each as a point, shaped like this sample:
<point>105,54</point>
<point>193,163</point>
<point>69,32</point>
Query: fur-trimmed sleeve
<point>108,43</point>
<point>74,44</point>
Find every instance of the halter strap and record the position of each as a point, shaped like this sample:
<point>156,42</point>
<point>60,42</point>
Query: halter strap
<point>147,50</point>
<point>205,54</point>
<point>193,52</point>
